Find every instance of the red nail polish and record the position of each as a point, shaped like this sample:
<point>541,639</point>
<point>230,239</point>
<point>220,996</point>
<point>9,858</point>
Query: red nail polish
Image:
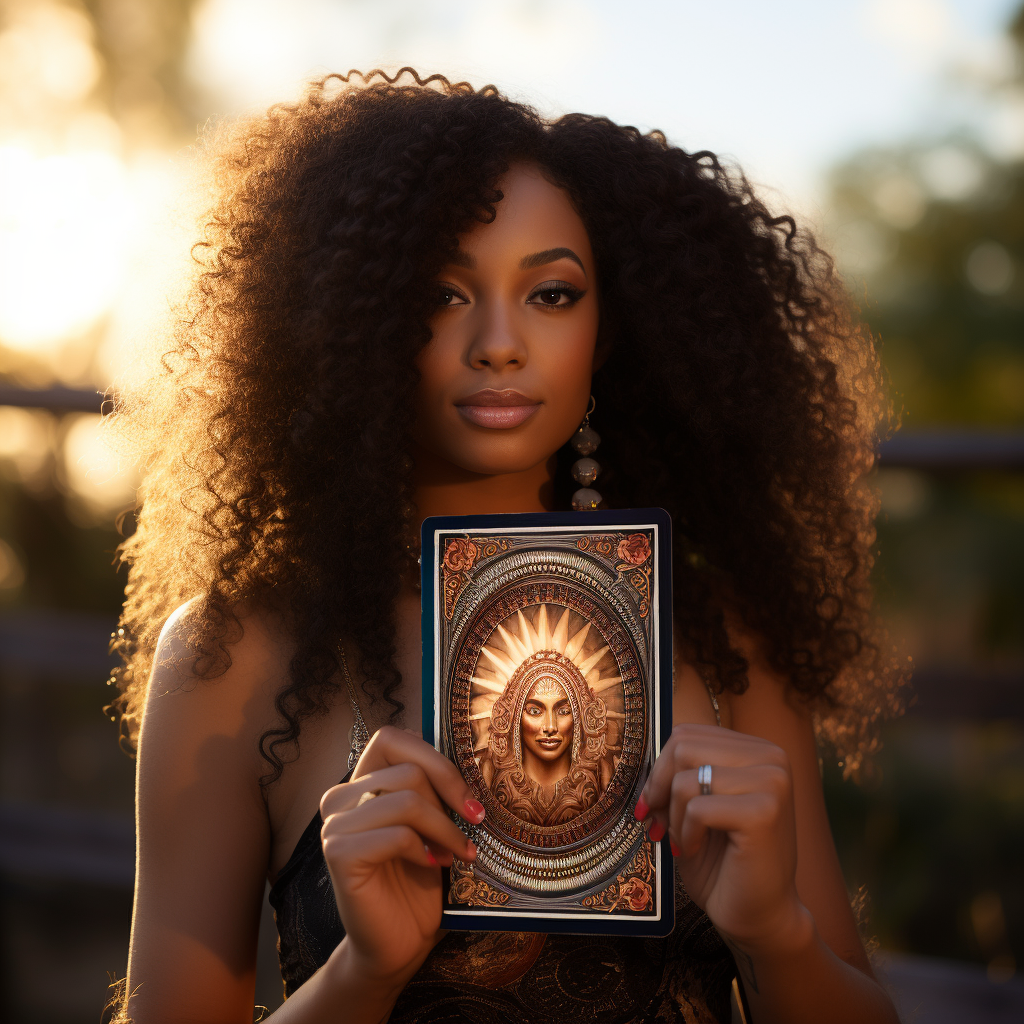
<point>430,856</point>
<point>672,846</point>
<point>642,810</point>
<point>474,810</point>
<point>657,832</point>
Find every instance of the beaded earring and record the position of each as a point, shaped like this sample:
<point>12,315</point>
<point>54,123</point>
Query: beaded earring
<point>585,470</point>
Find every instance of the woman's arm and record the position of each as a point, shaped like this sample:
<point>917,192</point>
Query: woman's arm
<point>766,711</point>
<point>203,835</point>
<point>758,855</point>
<point>204,844</point>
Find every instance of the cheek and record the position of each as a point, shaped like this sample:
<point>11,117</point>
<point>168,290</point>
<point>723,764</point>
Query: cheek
<point>567,364</point>
<point>568,354</point>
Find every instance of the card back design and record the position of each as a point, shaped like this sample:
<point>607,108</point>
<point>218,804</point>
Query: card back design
<point>547,681</point>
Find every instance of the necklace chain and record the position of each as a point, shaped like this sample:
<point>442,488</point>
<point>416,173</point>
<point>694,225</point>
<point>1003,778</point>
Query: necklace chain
<point>360,735</point>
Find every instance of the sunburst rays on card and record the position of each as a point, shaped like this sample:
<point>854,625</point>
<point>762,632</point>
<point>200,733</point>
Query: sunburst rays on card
<point>543,628</point>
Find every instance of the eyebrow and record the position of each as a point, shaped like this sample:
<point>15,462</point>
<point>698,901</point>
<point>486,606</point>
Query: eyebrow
<point>536,259</point>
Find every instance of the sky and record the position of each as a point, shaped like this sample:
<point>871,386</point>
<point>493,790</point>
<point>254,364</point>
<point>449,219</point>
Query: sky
<point>786,88</point>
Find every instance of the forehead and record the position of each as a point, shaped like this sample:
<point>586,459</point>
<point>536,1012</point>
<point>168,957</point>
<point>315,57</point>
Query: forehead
<point>533,215</point>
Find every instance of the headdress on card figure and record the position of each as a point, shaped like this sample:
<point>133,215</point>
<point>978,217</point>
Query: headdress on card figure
<point>538,658</point>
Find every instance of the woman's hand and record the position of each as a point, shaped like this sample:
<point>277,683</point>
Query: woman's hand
<point>384,852</point>
<point>736,848</point>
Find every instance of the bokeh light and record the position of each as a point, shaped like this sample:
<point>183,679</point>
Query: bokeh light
<point>92,469</point>
<point>65,220</point>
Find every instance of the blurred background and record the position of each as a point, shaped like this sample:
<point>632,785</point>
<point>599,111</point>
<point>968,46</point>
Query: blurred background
<point>895,128</point>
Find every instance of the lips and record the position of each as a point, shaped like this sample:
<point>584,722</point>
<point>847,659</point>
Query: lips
<point>550,744</point>
<point>498,410</point>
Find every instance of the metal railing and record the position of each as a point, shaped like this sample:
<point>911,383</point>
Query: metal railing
<point>937,450</point>
<point>55,399</point>
<point>88,847</point>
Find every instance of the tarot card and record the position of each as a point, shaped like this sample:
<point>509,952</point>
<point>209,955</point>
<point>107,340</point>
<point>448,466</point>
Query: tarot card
<point>547,680</point>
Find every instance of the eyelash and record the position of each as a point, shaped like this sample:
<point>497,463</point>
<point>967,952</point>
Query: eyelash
<point>447,289</point>
<point>573,294</point>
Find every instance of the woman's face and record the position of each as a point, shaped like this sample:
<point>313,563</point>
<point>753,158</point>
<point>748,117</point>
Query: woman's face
<point>505,379</point>
<point>546,724</point>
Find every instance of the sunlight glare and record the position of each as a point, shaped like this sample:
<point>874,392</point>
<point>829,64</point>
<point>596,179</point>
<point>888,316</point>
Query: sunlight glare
<point>64,221</point>
<point>26,443</point>
<point>92,469</point>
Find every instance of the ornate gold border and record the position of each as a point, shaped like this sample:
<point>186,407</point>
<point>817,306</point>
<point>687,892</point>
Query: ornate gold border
<point>466,888</point>
<point>633,888</point>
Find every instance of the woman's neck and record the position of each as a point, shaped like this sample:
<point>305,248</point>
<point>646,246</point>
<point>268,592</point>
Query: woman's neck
<point>444,489</point>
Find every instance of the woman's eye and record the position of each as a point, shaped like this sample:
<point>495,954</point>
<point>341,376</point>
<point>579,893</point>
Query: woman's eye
<point>555,294</point>
<point>565,710</point>
<point>533,711</point>
<point>449,297</point>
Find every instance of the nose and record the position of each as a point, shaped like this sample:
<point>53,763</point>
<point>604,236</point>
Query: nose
<point>497,344</point>
<point>549,728</point>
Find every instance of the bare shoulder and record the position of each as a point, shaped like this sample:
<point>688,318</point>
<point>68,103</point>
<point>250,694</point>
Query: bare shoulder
<point>234,702</point>
<point>691,700</point>
<point>769,706</point>
<point>204,835</point>
<point>254,647</point>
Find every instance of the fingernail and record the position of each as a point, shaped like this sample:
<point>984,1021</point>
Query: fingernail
<point>470,850</point>
<point>672,846</point>
<point>642,809</point>
<point>474,810</point>
<point>657,832</point>
<point>430,855</point>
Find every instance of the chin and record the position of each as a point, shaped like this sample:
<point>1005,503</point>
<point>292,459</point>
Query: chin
<point>497,458</point>
<point>498,467</point>
<point>550,755</point>
<point>495,452</point>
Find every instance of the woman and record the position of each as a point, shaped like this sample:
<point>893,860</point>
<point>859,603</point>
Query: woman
<point>411,293</point>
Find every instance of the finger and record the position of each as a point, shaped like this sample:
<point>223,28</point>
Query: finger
<point>693,745</point>
<point>685,786</point>
<point>387,780</point>
<point>728,781</point>
<point>345,853</point>
<point>390,746</point>
<point>442,857</point>
<point>403,808</point>
<point>741,813</point>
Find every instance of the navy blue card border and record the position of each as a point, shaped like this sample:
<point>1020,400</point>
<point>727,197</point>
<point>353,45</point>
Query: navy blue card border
<point>526,521</point>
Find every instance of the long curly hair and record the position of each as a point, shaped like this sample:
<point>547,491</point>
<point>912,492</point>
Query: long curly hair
<point>741,394</point>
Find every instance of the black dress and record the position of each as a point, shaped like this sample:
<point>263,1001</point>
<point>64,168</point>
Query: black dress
<point>519,978</point>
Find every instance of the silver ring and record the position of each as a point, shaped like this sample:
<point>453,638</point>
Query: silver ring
<point>704,778</point>
<point>368,795</point>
